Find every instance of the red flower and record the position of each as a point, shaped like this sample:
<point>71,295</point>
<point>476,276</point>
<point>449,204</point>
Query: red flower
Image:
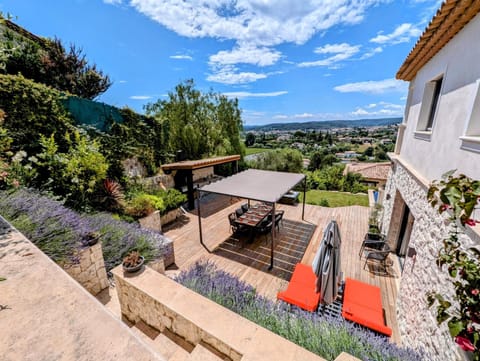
<point>471,222</point>
<point>444,207</point>
<point>475,291</point>
<point>464,343</point>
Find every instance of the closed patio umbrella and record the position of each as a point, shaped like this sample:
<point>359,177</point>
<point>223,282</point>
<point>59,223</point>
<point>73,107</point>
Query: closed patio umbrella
<point>326,264</point>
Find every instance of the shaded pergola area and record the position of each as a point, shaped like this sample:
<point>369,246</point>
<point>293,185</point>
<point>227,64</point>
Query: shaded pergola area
<point>291,244</point>
<point>183,172</point>
<point>257,185</point>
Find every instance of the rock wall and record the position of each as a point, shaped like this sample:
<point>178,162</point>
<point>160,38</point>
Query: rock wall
<point>417,323</point>
<point>90,272</point>
<point>154,223</point>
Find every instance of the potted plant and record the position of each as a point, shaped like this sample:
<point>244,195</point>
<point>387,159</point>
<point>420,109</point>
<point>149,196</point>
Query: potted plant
<point>91,238</point>
<point>133,262</point>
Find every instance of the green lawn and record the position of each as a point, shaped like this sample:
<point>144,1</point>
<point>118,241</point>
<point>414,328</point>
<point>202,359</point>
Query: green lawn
<point>249,151</point>
<point>335,199</point>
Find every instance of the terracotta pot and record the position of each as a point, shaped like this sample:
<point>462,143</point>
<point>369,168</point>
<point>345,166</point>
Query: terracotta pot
<point>134,268</point>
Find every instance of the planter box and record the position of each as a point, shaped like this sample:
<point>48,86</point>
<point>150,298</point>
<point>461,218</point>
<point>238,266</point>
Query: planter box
<point>152,222</point>
<point>90,272</point>
<point>170,216</point>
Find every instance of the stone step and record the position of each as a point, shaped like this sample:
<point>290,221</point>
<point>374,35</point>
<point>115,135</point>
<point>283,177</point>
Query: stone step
<point>160,342</point>
<point>201,353</point>
<point>179,355</point>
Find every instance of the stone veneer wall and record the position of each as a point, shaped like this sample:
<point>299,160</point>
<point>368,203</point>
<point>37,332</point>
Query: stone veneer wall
<point>164,304</point>
<point>417,323</point>
<point>90,272</point>
<point>154,223</point>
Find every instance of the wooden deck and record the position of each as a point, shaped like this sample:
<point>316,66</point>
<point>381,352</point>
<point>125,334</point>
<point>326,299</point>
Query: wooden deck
<point>297,241</point>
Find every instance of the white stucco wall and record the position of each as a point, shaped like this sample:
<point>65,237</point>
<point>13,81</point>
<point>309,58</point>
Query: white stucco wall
<point>459,63</point>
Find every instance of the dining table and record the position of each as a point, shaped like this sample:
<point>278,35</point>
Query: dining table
<point>253,217</point>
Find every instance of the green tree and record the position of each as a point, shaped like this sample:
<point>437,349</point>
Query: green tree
<point>368,152</point>
<point>199,124</point>
<point>47,61</point>
<point>282,160</point>
<point>250,139</point>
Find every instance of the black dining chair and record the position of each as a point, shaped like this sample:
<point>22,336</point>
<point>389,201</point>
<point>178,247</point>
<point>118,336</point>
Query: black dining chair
<point>265,227</point>
<point>245,207</point>
<point>239,212</point>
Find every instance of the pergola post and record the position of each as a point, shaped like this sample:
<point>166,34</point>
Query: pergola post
<point>190,192</point>
<point>200,223</point>
<point>304,197</point>
<point>273,237</point>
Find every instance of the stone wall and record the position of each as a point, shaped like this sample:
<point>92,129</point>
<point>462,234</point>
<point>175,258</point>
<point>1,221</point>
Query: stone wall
<point>202,173</point>
<point>154,223</point>
<point>417,323</point>
<point>159,181</point>
<point>164,304</point>
<point>90,272</point>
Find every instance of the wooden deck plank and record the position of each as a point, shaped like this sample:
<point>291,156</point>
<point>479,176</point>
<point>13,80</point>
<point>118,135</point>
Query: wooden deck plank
<point>297,242</point>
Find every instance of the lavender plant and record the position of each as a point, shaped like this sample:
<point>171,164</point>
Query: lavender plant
<point>61,232</point>
<point>323,335</point>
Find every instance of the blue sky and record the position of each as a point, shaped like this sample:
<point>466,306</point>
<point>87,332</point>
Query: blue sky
<point>285,60</point>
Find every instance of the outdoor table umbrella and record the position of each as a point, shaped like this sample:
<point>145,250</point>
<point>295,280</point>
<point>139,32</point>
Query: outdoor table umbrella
<point>326,264</point>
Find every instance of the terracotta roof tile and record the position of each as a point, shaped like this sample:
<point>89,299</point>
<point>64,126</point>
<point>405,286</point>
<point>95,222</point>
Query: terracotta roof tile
<point>452,16</point>
<point>378,171</point>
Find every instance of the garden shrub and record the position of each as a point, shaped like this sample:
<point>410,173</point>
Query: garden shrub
<point>172,199</point>
<point>143,204</point>
<point>60,232</point>
<point>75,174</point>
<point>325,336</point>
<point>32,110</point>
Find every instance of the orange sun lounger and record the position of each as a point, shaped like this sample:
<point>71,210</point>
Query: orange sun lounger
<point>301,289</point>
<point>362,304</point>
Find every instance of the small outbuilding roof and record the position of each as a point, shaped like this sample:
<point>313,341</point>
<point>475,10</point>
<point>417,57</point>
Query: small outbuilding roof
<point>255,184</point>
<point>201,163</point>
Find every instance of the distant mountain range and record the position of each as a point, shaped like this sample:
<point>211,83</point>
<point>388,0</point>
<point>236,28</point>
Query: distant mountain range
<point>323,125</point>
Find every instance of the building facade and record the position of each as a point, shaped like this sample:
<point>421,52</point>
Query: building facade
<point>440,132</point>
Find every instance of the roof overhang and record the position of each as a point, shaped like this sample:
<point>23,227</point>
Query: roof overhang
<point>255,184</point>
<point>201,163</point>
<point>452,16</point>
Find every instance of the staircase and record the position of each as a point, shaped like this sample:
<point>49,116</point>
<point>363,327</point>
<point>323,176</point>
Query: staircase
<point>174,348</point>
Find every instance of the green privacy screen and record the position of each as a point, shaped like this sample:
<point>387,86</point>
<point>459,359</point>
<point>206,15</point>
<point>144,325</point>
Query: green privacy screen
<point>91,113</point>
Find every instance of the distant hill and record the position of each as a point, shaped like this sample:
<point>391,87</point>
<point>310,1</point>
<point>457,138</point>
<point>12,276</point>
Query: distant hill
<point>324,125</point>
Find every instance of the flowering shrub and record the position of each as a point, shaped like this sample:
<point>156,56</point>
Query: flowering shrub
<point>60,232</point>
<point>325,336</point>
<point>459,195</point>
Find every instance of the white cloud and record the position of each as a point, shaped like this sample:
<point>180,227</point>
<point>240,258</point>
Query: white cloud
<point>261,56</point>
<point>382,108</point>
<point>112,2</point>
<point>122,82</point>
<point>242,95</point>
<point>230,75</point>
<point>141,97</point>
<point>342,52</point>
<point>371,53</point>
<point>181,57</point>
<point>373,87</point>
<point>280,116</point>
<point>255,22</point>
<point>303,116</point>
<point>402,34</point>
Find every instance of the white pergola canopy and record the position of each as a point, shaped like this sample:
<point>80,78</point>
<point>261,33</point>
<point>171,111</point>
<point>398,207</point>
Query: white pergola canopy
<point>260,185</point>
<point>255,184</point>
